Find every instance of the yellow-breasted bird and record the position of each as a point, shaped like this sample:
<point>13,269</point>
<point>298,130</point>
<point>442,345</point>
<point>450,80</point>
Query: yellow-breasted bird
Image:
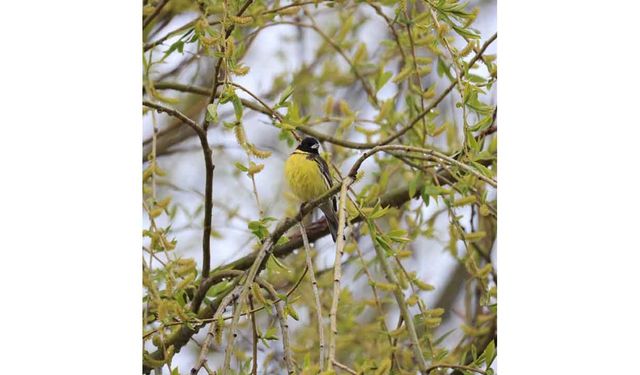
<point>308,176</point>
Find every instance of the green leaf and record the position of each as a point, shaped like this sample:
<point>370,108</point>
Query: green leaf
<point>218,288</point>
<point>440,339</point>
<point>382,242</point>
<point>270,334</point>
<point>483,124</point>
<point>378,212</point>
<point>465,32</point>
<point>179,46</point>
<point>382,79</point>
<point>292,312</point>
<point>282,240</point>
<point>237,107</point>
<point>482,169</point>
<point>413,184</point>
<point>443,69</point>
<point>241,166</point>
<point>278,263</point>
<point>285,95</point>
<point>434,190</point>
<point>258,229</point>
<point>398,235</point>
<point>212,111</point>
<point>490,353</point>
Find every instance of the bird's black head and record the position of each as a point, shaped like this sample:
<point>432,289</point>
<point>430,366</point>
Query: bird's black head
<point>310,145</point>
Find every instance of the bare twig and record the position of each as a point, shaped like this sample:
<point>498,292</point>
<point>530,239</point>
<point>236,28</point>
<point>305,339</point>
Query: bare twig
<point>153,15</point>
<point>284,327</point>
<point>344,367</point>
<point>209,168</point>
<point>254,328</point>
<point>316,294</point>
<point>202,357</point>
<point>337,269</point>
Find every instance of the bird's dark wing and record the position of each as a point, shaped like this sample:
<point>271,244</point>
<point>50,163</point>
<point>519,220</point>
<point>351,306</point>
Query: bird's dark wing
<point>324,169</point>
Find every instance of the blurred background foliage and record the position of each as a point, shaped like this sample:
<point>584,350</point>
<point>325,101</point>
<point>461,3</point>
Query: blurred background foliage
<point>244,80</point>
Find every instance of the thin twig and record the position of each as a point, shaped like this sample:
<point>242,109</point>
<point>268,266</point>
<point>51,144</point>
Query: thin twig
<point>216,71</point>
<point>344,367</point>
<point>365,84</point>
<point>316,294</point>
<point>202,357</point>
<point>208,192</point>
<point>337,268</point>
<point>153,15</point>
<point>402,304</point>
<point>284,327</point>
<point>254,328</point>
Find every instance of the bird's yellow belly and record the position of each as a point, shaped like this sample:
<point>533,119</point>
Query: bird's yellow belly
<point>304,177</point>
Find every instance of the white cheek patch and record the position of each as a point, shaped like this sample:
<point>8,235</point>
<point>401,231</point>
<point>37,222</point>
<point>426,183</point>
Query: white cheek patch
<point>315,146</point>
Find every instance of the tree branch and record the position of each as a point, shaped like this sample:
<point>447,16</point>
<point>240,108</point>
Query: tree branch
<point>208,189</point>
<point>337,274</point>
<point>316,294</point>
<point>153,15</point>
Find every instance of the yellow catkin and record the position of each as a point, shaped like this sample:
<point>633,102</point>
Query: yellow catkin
<point>464,201</point>
<point>164,202</point>
<point>229,47</point>
<point>202,24</point>
<point>328,106</point>
<point>241,137</point>
<point>260,154</point>
<point>241,70</point>
<point>159,171</point>
<point>155,212</point>
<point>147,173</point>
<point>255,168</point>
<point>241,20</point>
<point>436,312</point>
<point>386,286</point>
<point>257,294</point>
<point>467,49</point>
<point>422,285</point>
<point>432,322</point>
<point>289,11</point>
<point>475,236</point>
<point>484,210</point>
<point>148,9</point>
<point>344,108</point>
<point>404,73</point>
<point>383,367</point>
<point>186,281</point>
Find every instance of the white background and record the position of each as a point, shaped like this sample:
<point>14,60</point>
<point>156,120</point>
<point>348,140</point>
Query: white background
<point>70,187</point>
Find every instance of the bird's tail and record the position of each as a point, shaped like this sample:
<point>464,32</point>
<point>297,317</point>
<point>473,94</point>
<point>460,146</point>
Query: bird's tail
<point>332,219</point>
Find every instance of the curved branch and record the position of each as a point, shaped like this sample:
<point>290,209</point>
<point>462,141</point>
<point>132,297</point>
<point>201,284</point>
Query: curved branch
<point>208,188</point>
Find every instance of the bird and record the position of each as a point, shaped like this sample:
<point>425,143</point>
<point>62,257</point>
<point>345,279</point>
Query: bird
<point>308,177</point>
